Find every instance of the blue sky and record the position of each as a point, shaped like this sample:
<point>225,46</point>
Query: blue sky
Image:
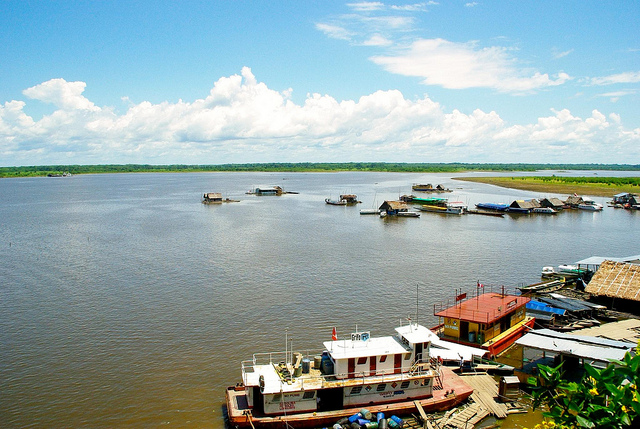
<point>209,82</point>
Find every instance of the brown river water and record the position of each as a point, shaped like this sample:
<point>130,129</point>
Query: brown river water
<point>125,302</point>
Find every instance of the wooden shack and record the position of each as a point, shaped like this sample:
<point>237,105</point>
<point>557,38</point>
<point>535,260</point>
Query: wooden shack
<point>553,203</point>
<point>394,207</point>
<point>212,198</point>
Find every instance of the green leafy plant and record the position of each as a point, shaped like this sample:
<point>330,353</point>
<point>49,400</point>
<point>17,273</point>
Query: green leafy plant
<point>605,398</point>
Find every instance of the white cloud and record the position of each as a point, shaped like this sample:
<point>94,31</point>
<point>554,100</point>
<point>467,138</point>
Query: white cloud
<point>464,65</point>
<point>627,77</point>
<point>366,6</point>
<point>416,7</point>
<point>335,31</point>
<point>242,120</point>
<point>63,94</point>
<point>377,40</point>
<point>563,54</point>
<point>471,4</point>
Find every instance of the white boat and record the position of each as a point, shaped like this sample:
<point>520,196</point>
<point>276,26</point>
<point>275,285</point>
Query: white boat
<point>591,205</point>
<point>369,211</point>
<point>408,214</point>
<point>545,210</point>
<point>384,374</point>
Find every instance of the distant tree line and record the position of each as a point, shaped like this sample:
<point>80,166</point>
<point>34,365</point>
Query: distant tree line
<point>43,170</point>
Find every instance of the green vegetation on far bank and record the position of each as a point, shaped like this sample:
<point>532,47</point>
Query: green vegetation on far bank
<point>44,170</point>
<point>595,186</point>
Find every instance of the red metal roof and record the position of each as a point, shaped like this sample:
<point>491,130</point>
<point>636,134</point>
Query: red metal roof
<point>486,308</point>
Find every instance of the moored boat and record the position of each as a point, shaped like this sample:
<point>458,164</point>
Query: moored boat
<point>544,210</point>
<point>335,202</point>
<point>384,374</point>
<point>590,205</point>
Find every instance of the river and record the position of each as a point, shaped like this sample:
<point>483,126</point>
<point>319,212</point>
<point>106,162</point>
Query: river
<point>125,302</point>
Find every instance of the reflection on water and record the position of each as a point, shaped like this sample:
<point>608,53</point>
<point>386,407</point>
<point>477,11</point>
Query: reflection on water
<point>124,301</point>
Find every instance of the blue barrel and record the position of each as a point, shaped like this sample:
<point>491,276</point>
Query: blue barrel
<point>306,366</point>
<point>363,422</point>
<point>398,420</point>
<point>354,417</point>
<point>379,416</point>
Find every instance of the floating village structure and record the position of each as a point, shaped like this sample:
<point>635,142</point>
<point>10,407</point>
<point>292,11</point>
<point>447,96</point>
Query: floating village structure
<point>490,320</point>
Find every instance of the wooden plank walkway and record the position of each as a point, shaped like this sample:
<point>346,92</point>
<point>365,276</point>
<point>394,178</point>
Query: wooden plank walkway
<point>485,389</point>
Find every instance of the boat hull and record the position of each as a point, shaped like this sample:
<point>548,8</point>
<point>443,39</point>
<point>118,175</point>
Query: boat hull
<point>241,416</point>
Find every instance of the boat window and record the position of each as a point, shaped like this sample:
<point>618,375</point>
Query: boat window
<point>381,387</point>
<point>362,360</point>
<point>276,398</point>
<point>309,395</point>
<point>407,356</point>
<point>405,384</point>
<point>356,390</point>
<point>383,358</point>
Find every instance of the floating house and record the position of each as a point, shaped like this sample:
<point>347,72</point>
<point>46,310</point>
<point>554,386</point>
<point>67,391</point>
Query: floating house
<point>273,190</point>
<point>574,201</point>
<point>523,206</point>
<point>492,320</point>
<point>617,281</point>
<point>393,207</point>
<point>625,198</point>
<point>552,203</point>
<point>575,350</point>
<point>212,198</point>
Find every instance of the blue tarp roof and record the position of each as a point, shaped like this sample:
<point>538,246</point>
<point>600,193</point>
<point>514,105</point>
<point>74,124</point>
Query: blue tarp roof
<point>541,306</point>
<point>492,206</point>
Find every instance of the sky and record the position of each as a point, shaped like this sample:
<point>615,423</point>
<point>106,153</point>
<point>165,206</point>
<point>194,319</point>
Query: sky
<point>217,82</point>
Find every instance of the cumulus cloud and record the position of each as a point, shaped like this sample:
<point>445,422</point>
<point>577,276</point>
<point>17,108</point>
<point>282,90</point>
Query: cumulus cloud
<point>464,65</point>
<point>242,120</point>
<point>63,94</point>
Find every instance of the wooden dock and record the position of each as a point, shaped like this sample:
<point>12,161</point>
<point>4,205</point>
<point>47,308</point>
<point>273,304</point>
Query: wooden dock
<point>485,390</point>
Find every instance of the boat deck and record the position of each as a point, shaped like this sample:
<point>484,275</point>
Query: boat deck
<point>451,392</point>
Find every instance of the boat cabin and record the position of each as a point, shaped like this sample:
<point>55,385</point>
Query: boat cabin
<point>274,190</point>
<point>355,371</point>
<point>492,320</point>
<point>349,198</point>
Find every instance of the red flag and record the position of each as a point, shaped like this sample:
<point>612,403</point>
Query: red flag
<point>334,334</point>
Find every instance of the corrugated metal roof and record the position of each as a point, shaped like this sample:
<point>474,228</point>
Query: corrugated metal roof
<point>592,348</point>
<point>622,330</point>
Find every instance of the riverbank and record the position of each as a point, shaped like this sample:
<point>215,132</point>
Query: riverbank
<point>306,167</point>
<point>598,187</point>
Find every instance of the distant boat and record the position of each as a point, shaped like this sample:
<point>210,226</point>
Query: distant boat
<point>448,209</point>
<point>408,214</point>
<point>493,207</point>
<point>335,202</point>
<point>429,188</point>
<point>369,211</point>
<point>590,205</point>
<point>544,210</point>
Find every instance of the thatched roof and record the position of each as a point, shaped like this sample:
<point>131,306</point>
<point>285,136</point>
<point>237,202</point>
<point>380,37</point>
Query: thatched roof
<point>616,280</point>
<point>574,200</point>
<point>213,195</point>
<point>525,204</point>
<point>552,202</point>
<point>394,205</point>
